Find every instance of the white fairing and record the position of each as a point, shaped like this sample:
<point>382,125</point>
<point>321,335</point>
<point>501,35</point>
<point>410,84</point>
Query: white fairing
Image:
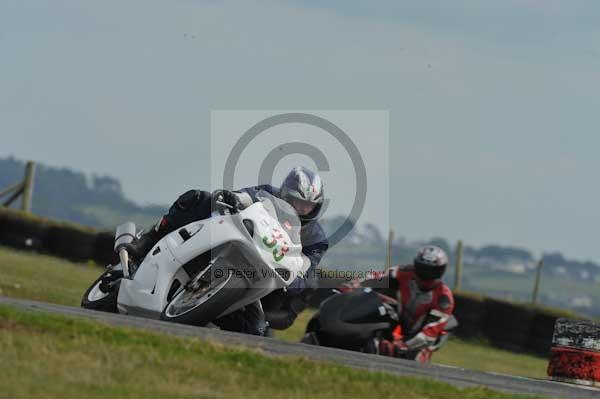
<point>274,245</point>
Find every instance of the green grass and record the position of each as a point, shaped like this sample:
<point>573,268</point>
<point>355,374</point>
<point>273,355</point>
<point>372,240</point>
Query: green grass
<point>296,331</point>
<point>475,355</point>
<point>44,278</point>
<point>481,356</point>
<point>51,356</point>
<point>54,280</point>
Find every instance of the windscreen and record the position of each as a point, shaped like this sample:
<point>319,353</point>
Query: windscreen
<point>283,212</point>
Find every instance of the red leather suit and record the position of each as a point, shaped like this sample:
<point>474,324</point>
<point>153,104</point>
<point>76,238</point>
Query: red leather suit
<point>424,308</point>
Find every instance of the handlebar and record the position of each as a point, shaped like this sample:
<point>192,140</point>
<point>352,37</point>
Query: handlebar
<point>230,208</point>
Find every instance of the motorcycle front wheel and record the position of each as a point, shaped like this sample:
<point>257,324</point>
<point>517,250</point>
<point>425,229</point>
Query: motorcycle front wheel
<point>98,297</point>
<point>200,305</point>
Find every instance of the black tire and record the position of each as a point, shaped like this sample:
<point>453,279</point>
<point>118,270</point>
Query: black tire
<point>107,303</point>
<point>310,339</point>
<point>312,330</point>
<point>313,324</point>
<point>212,307</point>
<point>370,347</point>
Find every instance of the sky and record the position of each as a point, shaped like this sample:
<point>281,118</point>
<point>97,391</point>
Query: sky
<point>492,107</point>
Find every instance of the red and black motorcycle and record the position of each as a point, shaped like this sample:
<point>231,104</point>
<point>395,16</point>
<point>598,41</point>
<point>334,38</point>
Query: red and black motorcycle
<point>358,320</point>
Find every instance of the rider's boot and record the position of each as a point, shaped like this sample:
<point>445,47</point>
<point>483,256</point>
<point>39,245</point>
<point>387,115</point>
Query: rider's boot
<point>248,320</point>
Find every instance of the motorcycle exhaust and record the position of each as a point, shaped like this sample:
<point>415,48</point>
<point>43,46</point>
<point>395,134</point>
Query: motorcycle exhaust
<point>124,235</point>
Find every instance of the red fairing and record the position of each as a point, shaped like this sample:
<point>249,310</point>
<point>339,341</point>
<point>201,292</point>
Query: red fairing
<point>161,225</point>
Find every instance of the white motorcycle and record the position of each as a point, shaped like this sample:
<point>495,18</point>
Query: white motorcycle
<point>206,269</point>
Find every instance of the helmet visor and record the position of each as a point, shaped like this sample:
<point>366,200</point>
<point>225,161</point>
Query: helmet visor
<point>429,272</point>
<point>303,208</point>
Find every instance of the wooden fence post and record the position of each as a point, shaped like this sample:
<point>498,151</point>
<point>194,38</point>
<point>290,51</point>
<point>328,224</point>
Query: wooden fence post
<point>23,189</point>
<point>17,187</point>
<point>459,266</point>
<point>28,186</point>
<point>388,263</point>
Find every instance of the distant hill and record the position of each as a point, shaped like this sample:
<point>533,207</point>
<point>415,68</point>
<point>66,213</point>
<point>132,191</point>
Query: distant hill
<point>64,194</point>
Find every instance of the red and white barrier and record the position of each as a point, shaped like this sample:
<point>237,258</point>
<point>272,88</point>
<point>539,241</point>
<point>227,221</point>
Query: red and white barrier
<point>575,353</point>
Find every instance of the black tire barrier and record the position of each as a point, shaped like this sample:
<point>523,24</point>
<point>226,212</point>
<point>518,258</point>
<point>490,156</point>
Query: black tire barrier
<point>71,243</point>
<point>575,353</point>
<point>104,253</point>
<point>67,240</point>
<point>18,241</point>
<point>508,325</point>
<point>540,339</point>
<point>23,232</point>
<point>470,312</point>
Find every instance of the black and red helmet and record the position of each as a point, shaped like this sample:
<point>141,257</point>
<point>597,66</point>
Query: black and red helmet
<point>430,263</point>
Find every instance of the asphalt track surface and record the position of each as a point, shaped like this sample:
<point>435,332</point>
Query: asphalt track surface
<point>270,346</point>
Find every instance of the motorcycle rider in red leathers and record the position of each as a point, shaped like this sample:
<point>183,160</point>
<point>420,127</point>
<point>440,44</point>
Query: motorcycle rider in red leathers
<point>424,302</point>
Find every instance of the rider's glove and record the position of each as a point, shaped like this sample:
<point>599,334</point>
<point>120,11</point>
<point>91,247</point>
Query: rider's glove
<point>397,348</point>
<point>226,196</point>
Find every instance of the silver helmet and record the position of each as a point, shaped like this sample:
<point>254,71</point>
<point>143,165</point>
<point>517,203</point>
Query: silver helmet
<point>303,189</point>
